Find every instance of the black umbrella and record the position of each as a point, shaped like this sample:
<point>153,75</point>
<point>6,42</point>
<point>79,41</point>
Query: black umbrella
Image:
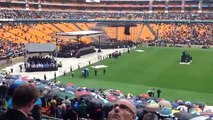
<point>61,85</point>
<point>9,76</point>
<point>96,102</point>
<point>184,115</point>
<point>140,112</point>
<point>39,80</point>
<point>87,98</point>
<point>107,108</point>
<point>82,89</point>
<point>31,81</point>
<point>51,94</point>
<point>201,104</point>
<point>142,105</point>
<point>44,82</point>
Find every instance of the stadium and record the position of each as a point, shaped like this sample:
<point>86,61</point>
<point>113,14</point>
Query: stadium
<point>91,53</point>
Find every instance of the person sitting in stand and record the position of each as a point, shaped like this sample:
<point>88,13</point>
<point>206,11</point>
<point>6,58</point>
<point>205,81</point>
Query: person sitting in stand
<point>23,101</point>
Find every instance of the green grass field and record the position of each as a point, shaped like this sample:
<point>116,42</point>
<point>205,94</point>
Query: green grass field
<point>157,68</point>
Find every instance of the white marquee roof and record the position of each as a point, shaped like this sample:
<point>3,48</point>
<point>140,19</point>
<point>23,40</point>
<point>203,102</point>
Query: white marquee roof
<point>79,34</point>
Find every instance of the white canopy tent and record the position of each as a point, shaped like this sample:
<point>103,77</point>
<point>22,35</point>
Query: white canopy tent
<point>99,66</point>
<point>78,34</point>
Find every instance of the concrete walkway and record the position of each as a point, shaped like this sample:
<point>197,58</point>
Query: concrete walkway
<point>66,64</point>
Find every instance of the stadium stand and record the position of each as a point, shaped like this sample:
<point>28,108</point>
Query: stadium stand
<point>14,36</point>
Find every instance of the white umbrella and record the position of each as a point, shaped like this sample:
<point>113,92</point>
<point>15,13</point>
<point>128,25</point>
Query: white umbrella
<point>202,118</point>
<point>182,108</point>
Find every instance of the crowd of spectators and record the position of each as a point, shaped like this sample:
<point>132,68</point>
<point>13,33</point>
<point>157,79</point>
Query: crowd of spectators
<point>33,14</point>
<point>113,43</point>
<point>71,49</point>
<point>72,102</point>
<point>40,62</point>
<point>192,34</point>
<point>198,34</point>
<point>9,49</point>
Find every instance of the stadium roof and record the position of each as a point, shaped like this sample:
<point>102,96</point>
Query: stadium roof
<point>40,48</point>
<point>79,34</point>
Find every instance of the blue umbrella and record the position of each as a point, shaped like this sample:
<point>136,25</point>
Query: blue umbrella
<point>40,86</point>
<point>17,83</point>
<point>14,85</point>
<point>38,102</point>
<point>69,88</point>
<point>9,103</point>
<point>175,104</point>
<point>165,112</point>
<point>15,77</point>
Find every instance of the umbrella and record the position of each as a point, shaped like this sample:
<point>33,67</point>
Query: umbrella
<point>26,78</point>
<point>51,94</point>
<point>9,81</point>
<point>165,112</point>
<point>201,118</point>
<point>180,102</point>
<point>135,102</point>
<point>150,116</point>
<point>9,76</point>
<point>164,103</point>
<point>184,115</point>
<point>117,92</point>
<point>107,108</point>
<point>96,101</point>
<point>129,95</point>
<point>87,97</point>
<point>140,112</point>
<point>142,105</point>
<point>43,87</point>
<point>39,80</point>
<point>208,109</point>
<point>151,101</point>
<point>188,103</point>
<point>38,102</point>
<point>82,89</point>
<point>168,119</point>
<point>44,82</point>
<point>16,83</point>
<point>16,77</point>
<point>192,111</point>
<point>69,88</point>
<point>61,85</point>
<point>152,107</point>
<point>145,95</point>
<point>63,94</point>
<point>9,102</point>
<point>69,84</point>
<point>175,105</point>
<point>182,108</point>
<point>111,98</point>
<point>31,81</point>
<point>79,93</point>
<point>206,113</point>
<point>198,110</point>
<point>40,86</point>
<point>201,104</point>
<point>175,111</point>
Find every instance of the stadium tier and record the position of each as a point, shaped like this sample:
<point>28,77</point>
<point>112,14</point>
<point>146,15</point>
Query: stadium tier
<point>111,5</point>
<point>115,48</point>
